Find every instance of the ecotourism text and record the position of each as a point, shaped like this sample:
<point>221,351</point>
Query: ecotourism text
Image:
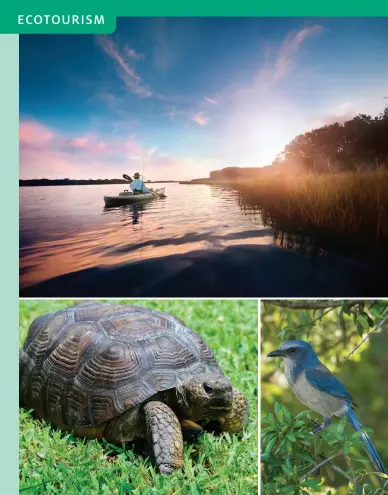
<point>60,19</point>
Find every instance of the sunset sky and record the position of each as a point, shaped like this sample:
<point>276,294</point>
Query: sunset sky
<point>186,96</point>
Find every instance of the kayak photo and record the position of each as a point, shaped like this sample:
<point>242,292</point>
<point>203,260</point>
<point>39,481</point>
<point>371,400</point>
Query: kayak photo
<point>139,192</point>
<point>205,157</point>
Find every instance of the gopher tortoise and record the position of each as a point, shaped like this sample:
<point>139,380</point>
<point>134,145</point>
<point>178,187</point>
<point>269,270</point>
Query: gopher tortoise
<point>122,372</point>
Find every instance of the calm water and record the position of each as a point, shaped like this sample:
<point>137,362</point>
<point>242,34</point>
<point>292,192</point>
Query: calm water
<point>198,241</point>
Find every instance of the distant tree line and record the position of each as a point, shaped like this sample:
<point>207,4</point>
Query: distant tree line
<point>68,182</point>
<point>234,173</point>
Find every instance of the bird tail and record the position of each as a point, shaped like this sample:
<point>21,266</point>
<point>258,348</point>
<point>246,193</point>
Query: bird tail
<point>368,445</point>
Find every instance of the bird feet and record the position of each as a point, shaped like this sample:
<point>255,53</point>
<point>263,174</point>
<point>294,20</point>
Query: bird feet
<point>321,427</point>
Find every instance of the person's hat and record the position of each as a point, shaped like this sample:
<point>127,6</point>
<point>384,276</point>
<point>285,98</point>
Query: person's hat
<point>136,175</point>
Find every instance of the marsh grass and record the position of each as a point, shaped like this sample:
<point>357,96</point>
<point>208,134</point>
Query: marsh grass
<point>52,461</point>
<point>354,204</point>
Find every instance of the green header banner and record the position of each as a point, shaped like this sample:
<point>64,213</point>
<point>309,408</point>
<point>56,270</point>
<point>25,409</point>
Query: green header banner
<point>97,16</point>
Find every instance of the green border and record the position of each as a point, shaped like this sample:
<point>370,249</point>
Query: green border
<point>9,131</point>
<point>9,11</point>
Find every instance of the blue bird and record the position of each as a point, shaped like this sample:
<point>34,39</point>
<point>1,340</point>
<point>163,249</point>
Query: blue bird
<point>316,387</point>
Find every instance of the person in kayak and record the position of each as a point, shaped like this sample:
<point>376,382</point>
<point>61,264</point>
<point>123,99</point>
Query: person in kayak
<point>138,186</point>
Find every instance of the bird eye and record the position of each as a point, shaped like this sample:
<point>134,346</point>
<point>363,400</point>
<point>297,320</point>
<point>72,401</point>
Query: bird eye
<point>292,349</point>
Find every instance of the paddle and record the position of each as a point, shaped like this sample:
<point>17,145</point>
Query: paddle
<point>161,195</point>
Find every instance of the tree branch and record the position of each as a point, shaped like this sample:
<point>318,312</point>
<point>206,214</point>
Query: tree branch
<point>382,322</point>
<point>339,470</point>
<point>318,304</point>
<point>315,468</point>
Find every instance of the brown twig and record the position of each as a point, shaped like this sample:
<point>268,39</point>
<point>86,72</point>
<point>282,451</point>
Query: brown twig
<point>378,326</point>
<point>318,304</point>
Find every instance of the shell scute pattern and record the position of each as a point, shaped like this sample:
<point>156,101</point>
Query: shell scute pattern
<point>165,351</point>
<point>96,311</point>
<point>87,364</point>
<point>105,404</point>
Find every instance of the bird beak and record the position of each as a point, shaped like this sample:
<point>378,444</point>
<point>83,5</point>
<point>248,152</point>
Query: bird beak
<point>276,353</point>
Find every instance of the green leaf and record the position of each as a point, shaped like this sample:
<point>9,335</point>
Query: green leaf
<point>288,470</point>
<point>358,458</point>
<point>302,414</point>
<point>341,425</point>
<point>378,308</point>
<point>291,436</point>
<point>311,483</point>
<point>358,433</point>
<point>363,320</point>
<point>270,445</point>
<point>305,456</point>
<point>359,328</point>
<point>287,415</point>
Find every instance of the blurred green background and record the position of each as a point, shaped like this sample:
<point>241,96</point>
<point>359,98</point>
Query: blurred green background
<point>55,462</point>
<point>333,336</point>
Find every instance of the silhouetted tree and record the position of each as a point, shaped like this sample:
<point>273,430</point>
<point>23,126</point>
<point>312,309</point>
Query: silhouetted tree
<point>358,144</point>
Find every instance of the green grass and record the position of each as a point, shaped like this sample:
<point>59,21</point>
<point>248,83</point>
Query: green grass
<point>344,203</point>
<point>52,461</point>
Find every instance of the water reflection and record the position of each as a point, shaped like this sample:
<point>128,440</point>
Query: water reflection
<point>198,241</point>
<point>56,239</point>
<point>313,244</point>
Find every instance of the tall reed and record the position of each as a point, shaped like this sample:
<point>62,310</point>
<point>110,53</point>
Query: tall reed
<point>345,203</point>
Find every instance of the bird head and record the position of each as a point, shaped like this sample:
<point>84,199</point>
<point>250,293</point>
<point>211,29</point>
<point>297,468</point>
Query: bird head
<point>297,351</point>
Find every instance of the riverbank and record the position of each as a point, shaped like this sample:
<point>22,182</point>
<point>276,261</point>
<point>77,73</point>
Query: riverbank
<point>347,203</point>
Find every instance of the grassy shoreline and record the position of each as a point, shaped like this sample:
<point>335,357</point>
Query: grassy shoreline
<point>349,203</point>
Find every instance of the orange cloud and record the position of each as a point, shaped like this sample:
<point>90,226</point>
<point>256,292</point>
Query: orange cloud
<point>200,118</point>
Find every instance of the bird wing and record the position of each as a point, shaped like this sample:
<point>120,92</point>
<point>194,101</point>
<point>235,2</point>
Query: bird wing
<point>325,381</point>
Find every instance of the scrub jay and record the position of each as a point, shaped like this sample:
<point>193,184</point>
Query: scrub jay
<point>319,390</point>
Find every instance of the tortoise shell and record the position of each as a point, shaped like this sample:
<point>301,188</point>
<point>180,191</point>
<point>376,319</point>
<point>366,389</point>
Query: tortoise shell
<point>84,365</point>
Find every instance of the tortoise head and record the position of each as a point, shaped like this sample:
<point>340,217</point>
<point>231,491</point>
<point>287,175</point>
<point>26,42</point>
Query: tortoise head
<point>205,396</point>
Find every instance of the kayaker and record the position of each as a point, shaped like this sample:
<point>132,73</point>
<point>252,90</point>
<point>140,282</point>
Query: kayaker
<point>138,186</point>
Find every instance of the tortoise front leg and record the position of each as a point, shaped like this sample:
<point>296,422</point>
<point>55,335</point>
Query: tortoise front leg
<point>164,435</point>
<point>238,416</point>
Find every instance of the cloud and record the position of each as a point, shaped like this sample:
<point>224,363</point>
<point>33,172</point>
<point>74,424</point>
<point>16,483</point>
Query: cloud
<point>45,152</point>
<point>132,53</point>
<point>200,118</point>
<point>328,119</point>
<point>33,133</point>
<point>125,70</point>
<point>289,48</point>
<point>212,101</point>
